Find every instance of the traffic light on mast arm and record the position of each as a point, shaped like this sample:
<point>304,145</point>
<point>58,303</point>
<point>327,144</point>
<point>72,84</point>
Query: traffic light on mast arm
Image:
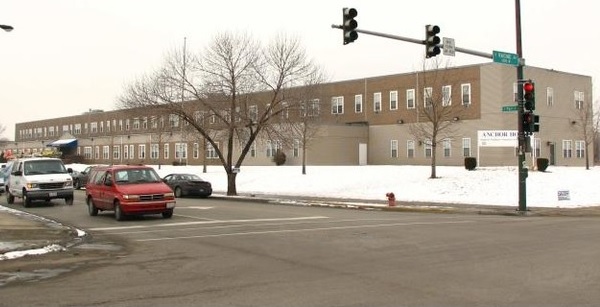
<point>529,95</point>
<point>349,25</point>
<point>432,41</point>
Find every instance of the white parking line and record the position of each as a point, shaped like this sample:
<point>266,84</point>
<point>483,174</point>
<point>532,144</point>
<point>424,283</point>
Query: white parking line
<point>207,222</point>
<point>303,230</point>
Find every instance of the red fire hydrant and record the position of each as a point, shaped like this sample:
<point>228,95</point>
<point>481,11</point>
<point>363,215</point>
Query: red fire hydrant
<point>391,199</point>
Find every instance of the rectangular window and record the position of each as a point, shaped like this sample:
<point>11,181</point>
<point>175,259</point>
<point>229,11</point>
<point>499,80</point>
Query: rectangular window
<point>466,145</point>
<point>211,153</point>
<point>314,107</point>
<point>428,97</point>
<point>180,150</point>
<point>173,120</point>
<point>142,151</point>
<point>549,96</point>
<point>537,146</point>
<point>125,152</point>
<point>447,146</point>
<point>296,148</point>
<point>105,152</point>
<point>394,148</point>
<point>145,123</point>
<point>446,95</point>
<point>358,104</point>
<point>136,124</point>
<point>337,105</point>
<point>410,98</point>
<point>87,152</point>
<point>579,100</point>
<point>252,113</point>
<point>127,124</point>
<point>377,102</point>
<point>567,148</point>
<point>154,151</point>
<point>196,151</point>
<point>285,110</point>
<point>410,149</point>
<point>253,149</point>
<point>394,100</point>
<point>131,152</point>
<point>427,149</point>
<point>579,149</point>
<point>94,127</point>
<point>466,94</point>
<point>97,153</point>
<point>116,152</point>
<point>166,150</point>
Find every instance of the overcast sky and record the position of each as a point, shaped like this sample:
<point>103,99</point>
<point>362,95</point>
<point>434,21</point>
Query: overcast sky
<point>67,56</point>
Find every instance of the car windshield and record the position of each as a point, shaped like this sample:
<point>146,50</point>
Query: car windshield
<point>44,167</point>
<point>132,176</point>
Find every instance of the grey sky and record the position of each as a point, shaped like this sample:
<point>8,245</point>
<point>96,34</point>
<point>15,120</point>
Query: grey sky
<point>67,56</point>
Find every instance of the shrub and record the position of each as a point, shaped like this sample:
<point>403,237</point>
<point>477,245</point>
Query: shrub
<point>279,158</point>
<point>542,164</point>
<point>177,163</point>
<point>470,163</point>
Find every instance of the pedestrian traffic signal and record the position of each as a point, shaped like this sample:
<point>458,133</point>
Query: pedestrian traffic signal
<point>349,25</point>
<point>432,41</point>
<point>529,95</point>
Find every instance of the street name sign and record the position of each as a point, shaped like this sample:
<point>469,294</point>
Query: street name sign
<point>506,58</point>
<point>512,108</point>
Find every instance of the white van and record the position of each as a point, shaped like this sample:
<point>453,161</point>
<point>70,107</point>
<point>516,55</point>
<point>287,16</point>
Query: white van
<point>39,179</point>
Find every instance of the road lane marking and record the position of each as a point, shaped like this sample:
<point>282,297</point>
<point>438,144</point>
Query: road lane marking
<point>206,222</point>
<point>303,230</point>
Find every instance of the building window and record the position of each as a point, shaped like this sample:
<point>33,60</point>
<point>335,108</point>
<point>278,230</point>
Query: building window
<point>252,113</point>
<point>97,153</point>
<point>116,152</point>
<point>466,145</point>
<point>466,94</point>
<point>410,149</point>
<point>427,149</point>
<point>446,95</point>
<point>394,100</point>
<point>136,124</point>
<point>154,151</point>
<point>549,96</point>
<point>337,105</point>
<point>537,146</point>
<point>94,127</point>
<point>173,120</point>
<point>273,147</point>
<point>579,149</point>
<point>125,152</point>
<point>428,97</point>
<point>142,151</point>
<point>253,149</point>
<point>211,153</point>
<point>358,104</point>
<point>567,148</point>
<point>87,152</point>
<point>120,125</point>
<point>314,107</point>
<point>196,151</point>
<point>410,98</point>
<point>180,150</point>
<point>447,146</point>
<point>166,150</point>
<point>105,152</point>
<point>285,111</point>
<point>145,123</point>
<point>394,148</point>
<point>77,129</point>
<point>578,100</point>
<point>377,102</point>
<point>296,148</point>
<point>131,152</point>
<point>127,124</point>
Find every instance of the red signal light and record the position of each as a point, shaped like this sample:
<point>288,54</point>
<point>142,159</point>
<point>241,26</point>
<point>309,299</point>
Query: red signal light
<point>528,87</point>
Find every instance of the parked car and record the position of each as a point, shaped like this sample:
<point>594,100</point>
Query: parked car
<point>188,184</point>
<point>39,179</point>
<point>80,179</point>
<point>128,190</point>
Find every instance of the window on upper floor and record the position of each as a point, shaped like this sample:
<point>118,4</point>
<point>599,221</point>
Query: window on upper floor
<point>358,104</point>
<point>337,105</point>
<point>377,102</point>
<point>393,100</point>
<point>549,96</point>
<point>446,95</point>
<point>428,97</point>
<point>465,94</point>
<point>410,98</point>
<point>579,100</point>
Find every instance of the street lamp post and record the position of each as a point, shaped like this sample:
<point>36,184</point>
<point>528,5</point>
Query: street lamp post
<point>6,28</point>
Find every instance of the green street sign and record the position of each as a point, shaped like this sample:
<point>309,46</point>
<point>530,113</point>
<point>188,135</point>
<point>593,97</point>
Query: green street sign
<point>510,108</point>
<point>506,58</point>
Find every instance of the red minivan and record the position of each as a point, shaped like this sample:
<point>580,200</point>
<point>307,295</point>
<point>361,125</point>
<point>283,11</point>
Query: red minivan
<point>128,190</point>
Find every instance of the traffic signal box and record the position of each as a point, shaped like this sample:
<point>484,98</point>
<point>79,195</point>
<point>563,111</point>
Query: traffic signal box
<point>432,41</point>
<point>349,25</point>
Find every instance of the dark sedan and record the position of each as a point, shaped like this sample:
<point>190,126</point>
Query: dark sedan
<point>188,185</point>
<point>80,179</point>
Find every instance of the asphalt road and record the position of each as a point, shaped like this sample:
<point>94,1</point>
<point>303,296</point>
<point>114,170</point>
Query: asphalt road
<point>237,253</point>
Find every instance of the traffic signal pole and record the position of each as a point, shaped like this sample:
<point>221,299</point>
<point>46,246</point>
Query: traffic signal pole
<point>520,111</point>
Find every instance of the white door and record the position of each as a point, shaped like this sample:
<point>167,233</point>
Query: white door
<point>362,154</point>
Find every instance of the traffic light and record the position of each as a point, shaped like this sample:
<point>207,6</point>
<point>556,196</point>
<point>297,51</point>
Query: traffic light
<point>531,122</point>
<point>349,25</point>
<point>529,95</point>
<point>432,41</point>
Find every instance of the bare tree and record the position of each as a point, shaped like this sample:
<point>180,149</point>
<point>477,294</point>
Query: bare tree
<point>239,83</point>
<point>437,114</point>
<point>587,125</point>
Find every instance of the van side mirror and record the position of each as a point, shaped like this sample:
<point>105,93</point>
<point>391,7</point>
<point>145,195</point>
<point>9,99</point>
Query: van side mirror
<point>18,173</point>
<point>108,182</point>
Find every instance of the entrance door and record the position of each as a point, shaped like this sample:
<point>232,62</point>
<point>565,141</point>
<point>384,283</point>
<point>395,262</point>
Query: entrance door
<point>552,158</point>
<point>362,154</point>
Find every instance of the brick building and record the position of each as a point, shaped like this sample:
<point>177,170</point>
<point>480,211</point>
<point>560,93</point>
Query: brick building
<point>362,121</point>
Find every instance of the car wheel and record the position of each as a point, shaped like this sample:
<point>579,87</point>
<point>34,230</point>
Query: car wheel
<point>10,199</point>
<point>177,192</point>
<point>69,201</point>
<point>168,214</point>
<point>92,210</point>
<point>76,184</point>
<point>26,200</point>
<point>119,215</point>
